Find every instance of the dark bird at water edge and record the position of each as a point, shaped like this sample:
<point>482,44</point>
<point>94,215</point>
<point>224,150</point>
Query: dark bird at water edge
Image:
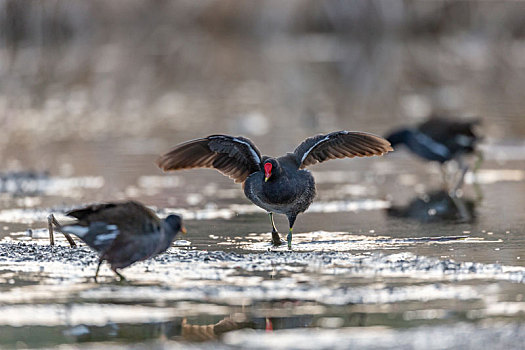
<point>122,233</point>
<point>441,140</point>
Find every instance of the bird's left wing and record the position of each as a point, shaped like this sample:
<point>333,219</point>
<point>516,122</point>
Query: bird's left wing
<point>340,144</point>
<point>236,157</point>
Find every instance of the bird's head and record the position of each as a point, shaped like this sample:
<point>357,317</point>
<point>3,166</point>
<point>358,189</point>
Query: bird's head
<point>173,223</point>
<point>271,168</point>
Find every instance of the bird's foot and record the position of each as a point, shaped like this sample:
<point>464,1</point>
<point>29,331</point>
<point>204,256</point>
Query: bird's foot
<point>289,239</point>
<point>122,279</point>
<point>276,239</point>
<point>98,269</point>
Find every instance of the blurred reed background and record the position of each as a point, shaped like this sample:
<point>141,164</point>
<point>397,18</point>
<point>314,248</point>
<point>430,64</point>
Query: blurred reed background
<point>160,72</point>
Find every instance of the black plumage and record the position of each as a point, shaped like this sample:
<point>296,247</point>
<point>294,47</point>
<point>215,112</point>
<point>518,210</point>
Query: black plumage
<point>123,233</point>
<point>278,185</point>
<point>438,139</point>
<point>441,140</point>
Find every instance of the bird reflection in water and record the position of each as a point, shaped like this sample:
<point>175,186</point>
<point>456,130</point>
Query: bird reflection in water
<point>437,206</point>
<point>200,333</point>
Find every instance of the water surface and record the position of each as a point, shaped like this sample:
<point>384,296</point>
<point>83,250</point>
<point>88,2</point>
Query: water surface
<point>382,252</point>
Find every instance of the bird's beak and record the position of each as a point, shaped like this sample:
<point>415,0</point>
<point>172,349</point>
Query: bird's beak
<point>267,175</point>
<point>183,230</point>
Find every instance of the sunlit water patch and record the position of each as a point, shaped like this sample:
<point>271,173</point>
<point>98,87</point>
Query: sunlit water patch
<point>276,292</point>
<point>290,289</point>
<point>344,241</point>
<point>491,176</point>
<point>76,314</point>
<point>229,277</point>
<point>503,152</point>
<point>212,212</point>
<point>254,335</point>
<point>458,336</point>
<point>209,212</point>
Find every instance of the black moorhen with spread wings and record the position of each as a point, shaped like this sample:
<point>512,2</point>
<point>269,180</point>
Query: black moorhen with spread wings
<point>122,233</point>
<point>278,185</point>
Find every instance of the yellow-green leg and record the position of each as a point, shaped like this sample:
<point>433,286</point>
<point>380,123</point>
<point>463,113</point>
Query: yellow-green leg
<point>291,221</point>
<point>98,269</point>
<point>276,239</point>
<point>122,278</point>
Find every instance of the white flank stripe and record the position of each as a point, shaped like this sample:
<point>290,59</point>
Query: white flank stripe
<point>106,237</point>
<point>432,145</point>
<point>79,231</point>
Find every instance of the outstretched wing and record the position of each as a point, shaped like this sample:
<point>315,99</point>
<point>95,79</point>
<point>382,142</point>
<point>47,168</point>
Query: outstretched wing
<point>340,144</point>
<point>236,157</point>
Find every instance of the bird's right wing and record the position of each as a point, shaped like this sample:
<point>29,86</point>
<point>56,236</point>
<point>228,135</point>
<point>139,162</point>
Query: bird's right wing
<point>236,157</point>
<point>340,144</point>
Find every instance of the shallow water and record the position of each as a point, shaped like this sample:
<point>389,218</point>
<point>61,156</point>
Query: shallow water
<point>381,254</point>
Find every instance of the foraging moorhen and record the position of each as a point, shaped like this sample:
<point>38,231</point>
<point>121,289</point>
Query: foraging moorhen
<point>278,185</point>
<point>441,139</point>
<point>122,233</point>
